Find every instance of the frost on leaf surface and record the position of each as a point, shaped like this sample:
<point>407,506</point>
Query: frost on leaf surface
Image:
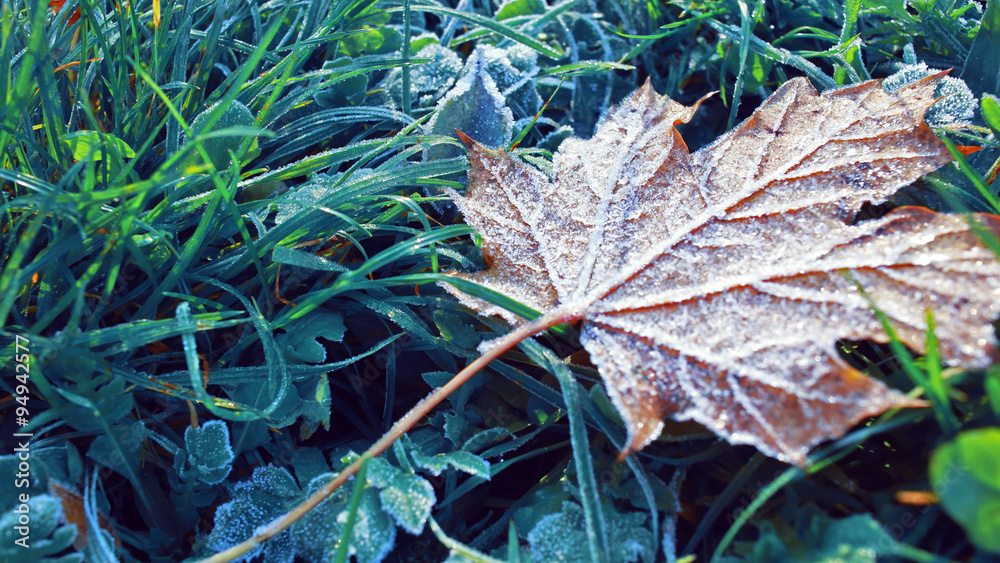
<point>210,457</point>
<point>713,286</point>
<point>303,344</point>
<point>313,192</point>
<point>50,534</point>
<point>407,497</point>
<point>272,492</point>
<point>475,105</point>
<point>561,537</point>
<point>428,81</point>
<point>266,496</point>
<point>317,535</point>
<point>818,538</point>
<point>463,461</point>
<point>957,104</point>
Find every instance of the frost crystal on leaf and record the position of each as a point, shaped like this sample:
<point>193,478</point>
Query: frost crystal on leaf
<point>319,533</point>
<point>475,105</point>
<point>560,537</point>
<point>210,457</point>
<point>255,503</point>
<point>429,81</point>
<point>463,461</point>
<point>957,105</point>
<point>713,286</point>
<point>407,497</point>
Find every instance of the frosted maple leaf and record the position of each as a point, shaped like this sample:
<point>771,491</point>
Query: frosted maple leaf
<point>714,286</point>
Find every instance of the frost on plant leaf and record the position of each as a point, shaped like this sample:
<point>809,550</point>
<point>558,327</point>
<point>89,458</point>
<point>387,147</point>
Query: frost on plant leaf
<point>816,537</point>
<point>272,491</point>
<point>210,457</point>
<point>407,497</point>
<point>561,537</point>
<point>957,104</point>
<point>428,81</point>
<point>713,286</point>
<point>50,534</point>
<point>463,461</point>
<point>312,192</point>
<point>256,502</point>
<point>317,534</point>
<point>303,344</point>
<point>475,105</point>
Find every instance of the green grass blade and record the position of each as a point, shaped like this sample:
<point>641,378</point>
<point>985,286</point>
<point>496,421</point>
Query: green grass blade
<point>776,54</point>
<point>942,411</point>
<point>596,531</point>
<point>464,551</point>
<point>360,484</point>
<point>744,50</point>
<point>851,9</point>
<point>493,25</point>
<point>972,175</point>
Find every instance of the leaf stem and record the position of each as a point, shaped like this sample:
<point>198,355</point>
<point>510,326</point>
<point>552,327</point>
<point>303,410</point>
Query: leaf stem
<point>420,410</point>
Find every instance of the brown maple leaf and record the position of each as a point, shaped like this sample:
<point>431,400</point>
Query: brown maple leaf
<point>714,286</point>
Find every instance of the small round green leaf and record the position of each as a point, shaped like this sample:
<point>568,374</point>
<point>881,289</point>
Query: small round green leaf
<point>965,474</point>
<point>209,452</point>
<point>990,108</point>
<point>218,148</point>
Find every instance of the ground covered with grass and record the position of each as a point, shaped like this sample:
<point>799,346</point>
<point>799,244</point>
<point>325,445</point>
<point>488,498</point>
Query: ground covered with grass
<point>222,227</point>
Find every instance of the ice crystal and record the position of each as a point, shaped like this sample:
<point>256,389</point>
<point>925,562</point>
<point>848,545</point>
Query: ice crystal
<point>210,457</point>
<point>475,105</point>
<point>407,497</point>
<point>319,533</point>
<point>957,105</point>
<point>428,81</point>
<point>560,537</point>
